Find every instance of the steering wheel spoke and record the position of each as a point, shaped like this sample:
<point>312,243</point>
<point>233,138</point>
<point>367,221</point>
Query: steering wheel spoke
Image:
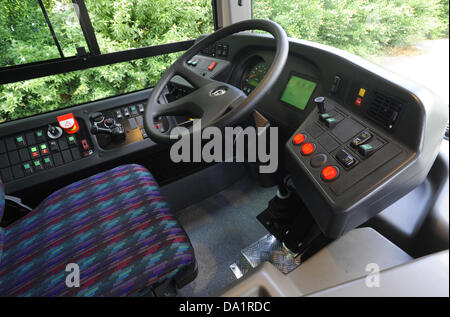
<point>195,79</point>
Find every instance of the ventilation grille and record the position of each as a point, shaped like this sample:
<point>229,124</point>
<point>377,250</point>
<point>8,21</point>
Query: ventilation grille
<point>384,110</point>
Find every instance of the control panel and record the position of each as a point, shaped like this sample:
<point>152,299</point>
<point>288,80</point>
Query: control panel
<point>120,126</point>
<point>342,158</point>
<point>43,148</point>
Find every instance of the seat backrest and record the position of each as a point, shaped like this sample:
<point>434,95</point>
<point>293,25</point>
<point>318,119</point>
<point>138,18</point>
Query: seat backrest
<point>2,209</point>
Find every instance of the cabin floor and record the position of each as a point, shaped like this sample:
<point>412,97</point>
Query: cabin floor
<point>219,227</point>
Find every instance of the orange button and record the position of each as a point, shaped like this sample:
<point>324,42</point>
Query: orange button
<point>308,149</point>
<point>298,139</point>
<point>212,66</point>
<point>330,173</point>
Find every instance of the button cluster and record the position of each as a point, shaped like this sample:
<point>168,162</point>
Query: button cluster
<point>328,173</point>
<point>33,151</point>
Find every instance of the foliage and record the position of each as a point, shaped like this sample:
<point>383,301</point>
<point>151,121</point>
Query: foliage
<point>364,27</point>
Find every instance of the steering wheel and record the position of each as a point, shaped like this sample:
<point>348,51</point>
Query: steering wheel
<point>215,103</point>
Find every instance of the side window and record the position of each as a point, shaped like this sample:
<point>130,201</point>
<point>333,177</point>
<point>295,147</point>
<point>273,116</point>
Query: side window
<point>38,31</point>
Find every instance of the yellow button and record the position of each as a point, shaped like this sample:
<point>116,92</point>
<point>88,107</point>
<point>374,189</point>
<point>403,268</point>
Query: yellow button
<point>362,92</point>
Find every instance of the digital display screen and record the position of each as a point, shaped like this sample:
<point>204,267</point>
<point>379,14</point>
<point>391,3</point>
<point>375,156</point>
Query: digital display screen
<point>298,91</point>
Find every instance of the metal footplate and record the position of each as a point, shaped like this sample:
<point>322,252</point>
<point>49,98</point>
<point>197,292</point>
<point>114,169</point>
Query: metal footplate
<point>266,249</point>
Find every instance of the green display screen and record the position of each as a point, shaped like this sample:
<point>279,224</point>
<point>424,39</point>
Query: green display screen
<point>298,91</point>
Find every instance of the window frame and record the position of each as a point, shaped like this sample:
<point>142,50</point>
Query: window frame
<point>94,58</point>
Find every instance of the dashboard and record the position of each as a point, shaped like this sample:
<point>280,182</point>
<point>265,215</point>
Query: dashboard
<point>356,137</point>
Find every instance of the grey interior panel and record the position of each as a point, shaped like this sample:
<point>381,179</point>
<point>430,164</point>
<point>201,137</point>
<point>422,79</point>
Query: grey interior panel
<point>343,260</point>
<point>422,277</point>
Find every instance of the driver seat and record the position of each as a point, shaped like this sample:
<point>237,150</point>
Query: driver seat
<point>114,226</point>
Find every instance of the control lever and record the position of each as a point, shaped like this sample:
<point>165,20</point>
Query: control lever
<point>320,103</point>
<point>116,131</point>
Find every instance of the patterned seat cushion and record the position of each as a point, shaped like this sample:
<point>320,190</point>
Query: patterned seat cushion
<point>114,226</point>
<point>2,200</point>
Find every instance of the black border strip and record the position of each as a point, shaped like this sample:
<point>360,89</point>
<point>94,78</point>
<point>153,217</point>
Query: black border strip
<point>59,66</point>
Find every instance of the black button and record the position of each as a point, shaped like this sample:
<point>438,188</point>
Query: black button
<point>24,155</point>
<point>319,160</point>
<point>141,108</point>
<point>331,122</point>
<point>27,168</point>
<point>2,146</point>
<point>57,158</point>
<point>54,146</point>
<point>63,144</point>
<point>31,139</point>
<point>369,148</point>
<point>67,157</point>
<point>11,144</point>
<point>4,161</point>
<point>72,140</point>
<point>37,165</point>
<point>75,153</point>
<point>17,171</point>
<point>7,175</point>
<point>126,112</point>
<point>361,139</point>
<point>48,162</point>
<point>144,133</point>
<point>20,141</point>
<point>119,114</point>
<point>40,135</point>
<point>346,158</point>
<point>14,158</point>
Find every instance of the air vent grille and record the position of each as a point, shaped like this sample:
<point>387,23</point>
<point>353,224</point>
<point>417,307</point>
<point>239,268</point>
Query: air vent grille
<point>384,110</point>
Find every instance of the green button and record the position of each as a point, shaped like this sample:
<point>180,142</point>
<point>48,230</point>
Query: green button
<point>26,166</point>
<point>38,134</point>
<point>71,138</point>
<point>19,139</point>
<point>37,163</point>
<point>133,108</point>
<point>34,149</point>
<point>47,160</point>
<point>366,147</point>
<point>331,119</point>
<point>43,146</point>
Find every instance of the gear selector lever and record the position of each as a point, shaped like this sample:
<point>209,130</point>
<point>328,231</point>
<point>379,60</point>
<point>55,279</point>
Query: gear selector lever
<point>107,127</point>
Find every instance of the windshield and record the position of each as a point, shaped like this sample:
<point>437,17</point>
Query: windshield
<point>38,31</point>
<point>409,37</point>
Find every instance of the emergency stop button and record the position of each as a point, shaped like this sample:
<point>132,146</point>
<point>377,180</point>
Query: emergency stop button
<point>330,173</point>
<point>68,123</point>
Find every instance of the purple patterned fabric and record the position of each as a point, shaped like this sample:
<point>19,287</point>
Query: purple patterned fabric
<point>114,226</point>
<point>2,200</point>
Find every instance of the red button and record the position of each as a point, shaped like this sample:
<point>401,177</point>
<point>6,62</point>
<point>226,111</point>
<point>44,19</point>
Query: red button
<point>358,101</point>
<point>298,139</point>
<point>212,66</point>
<point>308,149</point>
<point>68,123</point>
<point>330,173</point>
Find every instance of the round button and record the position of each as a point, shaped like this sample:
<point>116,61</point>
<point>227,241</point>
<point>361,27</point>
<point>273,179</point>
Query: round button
<point>299,139</point>
<point>330,173</point>
<point>308,148</point>
<point>319,160</point>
